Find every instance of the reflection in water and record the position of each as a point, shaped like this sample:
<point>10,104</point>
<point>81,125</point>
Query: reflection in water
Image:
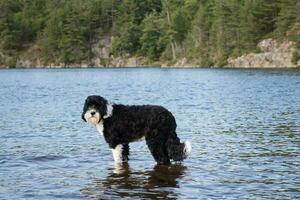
<point>244,126</point>
<point>124,182</point>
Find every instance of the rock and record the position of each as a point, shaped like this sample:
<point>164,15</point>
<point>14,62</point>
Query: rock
<point>273,55</point>
<point>101,50</point>
<point>127,62</point>
<point>267,45</point>
<point>102,58</point>
<point>182,63</point>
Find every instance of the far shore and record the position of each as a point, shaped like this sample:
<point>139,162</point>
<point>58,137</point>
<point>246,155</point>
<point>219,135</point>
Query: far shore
<point>152,66</point>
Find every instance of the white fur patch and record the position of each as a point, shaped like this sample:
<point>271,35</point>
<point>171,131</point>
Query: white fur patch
<point>92,119</point>
<point>117,153</point>
<point>187,147</point>
<point>100,127</point>
<point>109,111</point>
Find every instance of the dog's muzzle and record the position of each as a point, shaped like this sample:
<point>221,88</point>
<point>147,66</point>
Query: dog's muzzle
<point>92,116</point>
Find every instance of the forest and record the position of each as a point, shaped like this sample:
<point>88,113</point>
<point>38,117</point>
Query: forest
<point>206,32</point>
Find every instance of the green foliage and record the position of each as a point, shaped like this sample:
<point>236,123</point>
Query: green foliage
<point>289,11</point>
<point>181,25</point>
<point>204,31</point>
<point>295,57</point>
<point>20,22</point>
<point>127,27</point>
<point>128,39</point>
<point>69,31</point>
<point>153,39</point>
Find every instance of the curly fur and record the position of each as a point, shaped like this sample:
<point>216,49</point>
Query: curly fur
<point>127,124</point>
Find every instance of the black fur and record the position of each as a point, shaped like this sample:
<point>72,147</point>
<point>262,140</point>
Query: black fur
<point>130,123</point>
<point>96,102</point>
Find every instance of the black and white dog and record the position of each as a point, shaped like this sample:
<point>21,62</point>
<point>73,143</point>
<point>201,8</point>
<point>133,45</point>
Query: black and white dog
<point>122,124</point>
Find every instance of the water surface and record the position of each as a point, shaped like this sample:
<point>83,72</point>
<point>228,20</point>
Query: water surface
<point>244,126</point>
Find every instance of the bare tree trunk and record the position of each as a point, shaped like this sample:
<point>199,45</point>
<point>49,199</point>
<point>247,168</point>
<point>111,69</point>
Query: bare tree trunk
<point>173,46</point>
<point>173,50</point>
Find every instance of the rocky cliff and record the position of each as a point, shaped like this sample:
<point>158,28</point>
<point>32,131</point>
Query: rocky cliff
<point>273,54</point>
<point>103,58</point>
<point>100,48</point>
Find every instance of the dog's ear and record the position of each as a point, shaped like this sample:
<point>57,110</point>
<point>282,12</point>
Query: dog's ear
<point>103,106</point>
<point>84,109</point>
<point>82,117</point>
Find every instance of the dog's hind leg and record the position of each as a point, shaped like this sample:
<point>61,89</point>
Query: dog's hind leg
<point>158,150</point>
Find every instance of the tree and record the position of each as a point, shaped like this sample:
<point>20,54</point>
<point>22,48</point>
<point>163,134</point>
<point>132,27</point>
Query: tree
<point>224,30</point>
<point>197,42</point>
<point>153,40</point>
<point>204,31</point>
<point>289,11</point>
<point>67,36</point>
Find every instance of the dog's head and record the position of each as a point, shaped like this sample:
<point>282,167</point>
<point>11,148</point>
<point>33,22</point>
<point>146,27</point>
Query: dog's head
<point>95,108</point>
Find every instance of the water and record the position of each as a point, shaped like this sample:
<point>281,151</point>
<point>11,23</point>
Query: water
<point>244,126</point>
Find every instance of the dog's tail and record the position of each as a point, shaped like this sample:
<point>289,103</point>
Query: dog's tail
<point>177,150</point>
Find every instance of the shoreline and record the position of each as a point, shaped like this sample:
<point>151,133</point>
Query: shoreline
<point>272,55</point>
<point>157,67</point>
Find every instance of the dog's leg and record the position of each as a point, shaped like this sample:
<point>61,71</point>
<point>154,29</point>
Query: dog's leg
<point>117,153</point>
<point>120,153</point>
<point>158,150</point>
<point>125,152</point>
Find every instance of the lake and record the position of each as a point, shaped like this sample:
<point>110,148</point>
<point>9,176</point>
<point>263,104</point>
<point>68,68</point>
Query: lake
<point>244,126</point>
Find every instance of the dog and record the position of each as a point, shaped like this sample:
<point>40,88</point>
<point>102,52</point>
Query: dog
<point>123,124</point>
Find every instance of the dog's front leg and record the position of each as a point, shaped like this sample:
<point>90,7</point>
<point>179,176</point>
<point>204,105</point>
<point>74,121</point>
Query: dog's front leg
<point>117,153</point>
<point>120,152</point>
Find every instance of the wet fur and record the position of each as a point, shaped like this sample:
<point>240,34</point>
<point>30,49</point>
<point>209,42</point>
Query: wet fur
<point>130,123</point>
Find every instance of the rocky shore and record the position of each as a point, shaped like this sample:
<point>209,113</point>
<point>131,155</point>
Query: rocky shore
<point>273,54</point>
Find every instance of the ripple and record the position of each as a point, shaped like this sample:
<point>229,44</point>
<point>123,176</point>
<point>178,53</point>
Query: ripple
<point>124,182</point>
<point>244,126</point>
<point>44,158</point>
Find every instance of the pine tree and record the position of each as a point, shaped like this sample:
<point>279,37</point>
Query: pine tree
<point>224,30</point>
<point>289,12</point>
<point>154,38</point>
<point>198,39</point>
<point>207,32</point>
<point>249,31</point>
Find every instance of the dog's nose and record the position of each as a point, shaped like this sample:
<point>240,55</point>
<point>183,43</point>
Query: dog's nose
<point>93,113</point>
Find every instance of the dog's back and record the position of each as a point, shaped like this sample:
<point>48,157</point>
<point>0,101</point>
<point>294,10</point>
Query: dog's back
<point>134,122</point>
